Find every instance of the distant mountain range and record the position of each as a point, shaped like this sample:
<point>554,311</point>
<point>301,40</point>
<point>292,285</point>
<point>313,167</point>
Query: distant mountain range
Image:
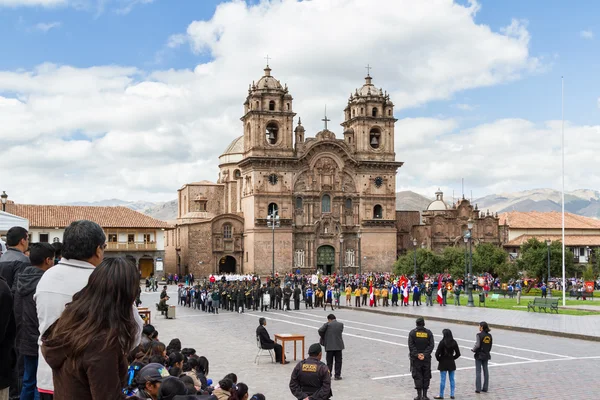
<point>582,202</point>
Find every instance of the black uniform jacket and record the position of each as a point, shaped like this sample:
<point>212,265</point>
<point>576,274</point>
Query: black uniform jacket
<point>420,341</point>
<point>311,378</point>
<point>265,341</point>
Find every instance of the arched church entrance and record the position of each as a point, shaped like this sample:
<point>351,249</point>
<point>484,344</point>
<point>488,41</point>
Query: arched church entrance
<point>227,265</point>
<point>326,259</point>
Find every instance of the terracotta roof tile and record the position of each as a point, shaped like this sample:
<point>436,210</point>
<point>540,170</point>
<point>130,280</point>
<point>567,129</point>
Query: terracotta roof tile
<point>547,220</point>
<point>50,216</point>
<point>570,240</point>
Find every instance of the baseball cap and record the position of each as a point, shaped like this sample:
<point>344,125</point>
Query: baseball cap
<point>152,372</point>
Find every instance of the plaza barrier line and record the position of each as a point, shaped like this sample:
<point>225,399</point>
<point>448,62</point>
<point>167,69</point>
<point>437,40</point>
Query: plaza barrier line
<point>545,332</point>
<point>317,327</point>
<point>398,336</point>
<point>498,365</point>
<point>464,340</point>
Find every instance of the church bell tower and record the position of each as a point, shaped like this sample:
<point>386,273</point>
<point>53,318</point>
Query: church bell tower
<point>268,119</point>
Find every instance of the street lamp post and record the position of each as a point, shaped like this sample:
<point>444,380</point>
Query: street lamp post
<point>415,245</point>
<point>466,238</point>
<point>548,243</point>
<point>4,197</point>
<point>341,252</point>
<point>273,222</point>
<point>359,254</point>
<point>470,302</point>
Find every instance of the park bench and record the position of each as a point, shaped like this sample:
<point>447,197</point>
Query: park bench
<point>495,297</point>
<point>577,294</point>
<point>542,303</point>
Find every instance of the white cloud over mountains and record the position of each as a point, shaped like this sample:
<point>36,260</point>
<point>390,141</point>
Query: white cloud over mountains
<point>116,131</point>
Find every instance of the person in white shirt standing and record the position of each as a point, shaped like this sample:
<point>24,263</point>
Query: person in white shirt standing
<point>84,243</point>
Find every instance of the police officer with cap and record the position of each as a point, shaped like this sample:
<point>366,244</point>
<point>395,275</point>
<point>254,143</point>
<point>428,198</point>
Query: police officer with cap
<point>310,378</point>
<point>420,345</point>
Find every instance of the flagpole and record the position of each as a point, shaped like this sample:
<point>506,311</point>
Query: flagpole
<point>564,286</point>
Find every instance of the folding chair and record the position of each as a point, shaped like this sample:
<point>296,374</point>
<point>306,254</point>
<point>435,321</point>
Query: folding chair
<point>260,352</point>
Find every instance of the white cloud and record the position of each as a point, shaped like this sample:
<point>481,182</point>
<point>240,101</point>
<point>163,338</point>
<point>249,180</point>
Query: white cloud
<point>464,107</point>
<point>176,40</point>
<point>29,3</point>
<point>125,6</point>
<point>114,131</point>
<point>46,26</point>
<point>587,34</point>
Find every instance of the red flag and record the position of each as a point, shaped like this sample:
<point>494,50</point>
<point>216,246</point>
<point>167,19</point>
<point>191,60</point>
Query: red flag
<point>371,296</point>
<point>440,298</point>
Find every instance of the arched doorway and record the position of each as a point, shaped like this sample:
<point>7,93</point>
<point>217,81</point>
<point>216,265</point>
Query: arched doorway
<point>227,265</point>
<point>326,259</point>
<point>146,266</point>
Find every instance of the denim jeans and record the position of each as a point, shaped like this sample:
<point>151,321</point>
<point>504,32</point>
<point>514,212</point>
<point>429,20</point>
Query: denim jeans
<point>29,391</point>
<point>481,365</point>
<point>443,382</point>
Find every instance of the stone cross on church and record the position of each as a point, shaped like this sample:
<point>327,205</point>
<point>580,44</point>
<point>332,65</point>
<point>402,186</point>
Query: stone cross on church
<point>326,120</point>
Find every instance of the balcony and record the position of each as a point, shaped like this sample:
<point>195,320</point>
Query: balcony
<point>137,246</point>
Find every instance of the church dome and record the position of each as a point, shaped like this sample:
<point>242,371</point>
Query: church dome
<point>267,82</point>
<point>438,204</point>
<point>368,89</point>
<point>235,147</point>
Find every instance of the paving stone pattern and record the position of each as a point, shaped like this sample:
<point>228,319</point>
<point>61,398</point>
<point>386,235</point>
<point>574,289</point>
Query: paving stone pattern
<point>375,366</point>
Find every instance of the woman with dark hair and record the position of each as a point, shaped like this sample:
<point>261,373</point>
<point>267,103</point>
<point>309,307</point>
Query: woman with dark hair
<point>242,391</point>
<point>174,346</point>
<point>87,346</point>
<point>189,384</point>
<point>171,387</point>
<point>156,349</point>
<point>176,360</point>
<point>224,391</point>
<point>446,354</point>
<point>189,369</point>
<point>202,373</point>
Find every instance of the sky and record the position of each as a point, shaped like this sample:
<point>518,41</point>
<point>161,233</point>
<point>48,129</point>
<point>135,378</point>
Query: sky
<point>131,99</point>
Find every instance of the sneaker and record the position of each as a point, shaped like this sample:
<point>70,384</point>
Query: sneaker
<point>337,378</point>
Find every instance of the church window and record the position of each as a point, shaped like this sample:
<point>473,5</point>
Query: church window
<point>237,174</point>
<point>257,103</point>
<point>390,113</point>
<point>299,203</point>
<point>227,231</point>
<point>374,112</point>
<point>353,112</point>
<point>273,209</point>
<point>348,204</point>
<point>375,138</point>
<point>377,212</point>
<point>271,105</point>
<point>272,132</point>
<point>287,106</point>
<point>326,204</point>
<point>361,111</point>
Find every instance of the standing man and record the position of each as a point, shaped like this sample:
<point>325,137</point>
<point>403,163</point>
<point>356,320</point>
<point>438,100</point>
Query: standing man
<point>331,333</point>
<point>482,349</point>
<point>83,249</point>
<point>266,342</point>
<point>429,295</point>
<point>14,260</point>
<point>42,258</point>
<point>456,295</point>
<point>311,378</point>
<point>420,346</point>
<point>297,292</point>
<point>395,295</point>
<point>287,295</point>
<point>357,294</point>
<point>278,296</point>
<point>518,289</point>
<point>8,332</point>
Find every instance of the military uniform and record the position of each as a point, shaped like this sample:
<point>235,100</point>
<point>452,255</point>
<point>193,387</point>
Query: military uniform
<point>311,378</point>
<point>420,341</point>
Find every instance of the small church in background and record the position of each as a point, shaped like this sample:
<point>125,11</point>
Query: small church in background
<point>286,202</point>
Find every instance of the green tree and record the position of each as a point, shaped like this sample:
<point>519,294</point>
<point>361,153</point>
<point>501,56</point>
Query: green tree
<point>453,261</point>
<point>588,274</point>
<point>489,258</point>
<point>534,259</point>
<point>427,263</point>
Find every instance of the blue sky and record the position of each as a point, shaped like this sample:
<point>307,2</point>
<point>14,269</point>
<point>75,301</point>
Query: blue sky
<point>558,40</point>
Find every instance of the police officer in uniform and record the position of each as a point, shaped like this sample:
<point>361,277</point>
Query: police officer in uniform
<point>297,293</point>
<point>420,345</point>
<point>311,378</point>
<point>482,349</point>
<point>287,294</point>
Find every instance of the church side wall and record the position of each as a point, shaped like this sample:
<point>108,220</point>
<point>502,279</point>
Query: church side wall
<point>379,248</point>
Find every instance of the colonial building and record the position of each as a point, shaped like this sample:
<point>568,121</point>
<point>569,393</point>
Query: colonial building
<point>129,234</point>
<point>446,225</point>
<point>582,234</point>
<point>332,196</point>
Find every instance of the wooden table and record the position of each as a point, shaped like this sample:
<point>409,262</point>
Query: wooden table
<point>145,314</point>
<point>289,337</point>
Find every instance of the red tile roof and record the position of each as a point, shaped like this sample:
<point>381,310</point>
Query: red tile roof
<point>49,216</point>
<point>547,220</point>
<point>570,240</point>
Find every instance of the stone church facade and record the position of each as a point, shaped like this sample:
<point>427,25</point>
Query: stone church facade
<point>332,196</point>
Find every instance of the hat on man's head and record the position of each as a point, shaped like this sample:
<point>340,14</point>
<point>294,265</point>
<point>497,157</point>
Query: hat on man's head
<point>314,349</point>
<point>420,321</point>
<point>152,372</point>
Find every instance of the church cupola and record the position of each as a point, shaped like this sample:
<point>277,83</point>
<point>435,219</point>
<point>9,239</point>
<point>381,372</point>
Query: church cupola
<point>369,121</point>
<point>268,118</point>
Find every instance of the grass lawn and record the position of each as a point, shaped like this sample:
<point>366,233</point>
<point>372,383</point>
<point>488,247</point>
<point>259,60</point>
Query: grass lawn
<point>511,304</point>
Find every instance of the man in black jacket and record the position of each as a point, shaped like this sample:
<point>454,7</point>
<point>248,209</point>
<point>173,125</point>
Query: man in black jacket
<point>42,259</point>
<point>311,378</point>
<point>266,342</point>
<point>8,332</point>
<point>331,333</point>
<point>14,260</point>
<point>420,346</point>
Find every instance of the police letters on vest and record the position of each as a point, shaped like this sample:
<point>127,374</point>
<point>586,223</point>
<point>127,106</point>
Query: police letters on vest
<point>309,368</point>
<point>422,335</point>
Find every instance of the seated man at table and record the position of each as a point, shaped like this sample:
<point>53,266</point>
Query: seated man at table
<point>162,305</point>
<point>266,342</point>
